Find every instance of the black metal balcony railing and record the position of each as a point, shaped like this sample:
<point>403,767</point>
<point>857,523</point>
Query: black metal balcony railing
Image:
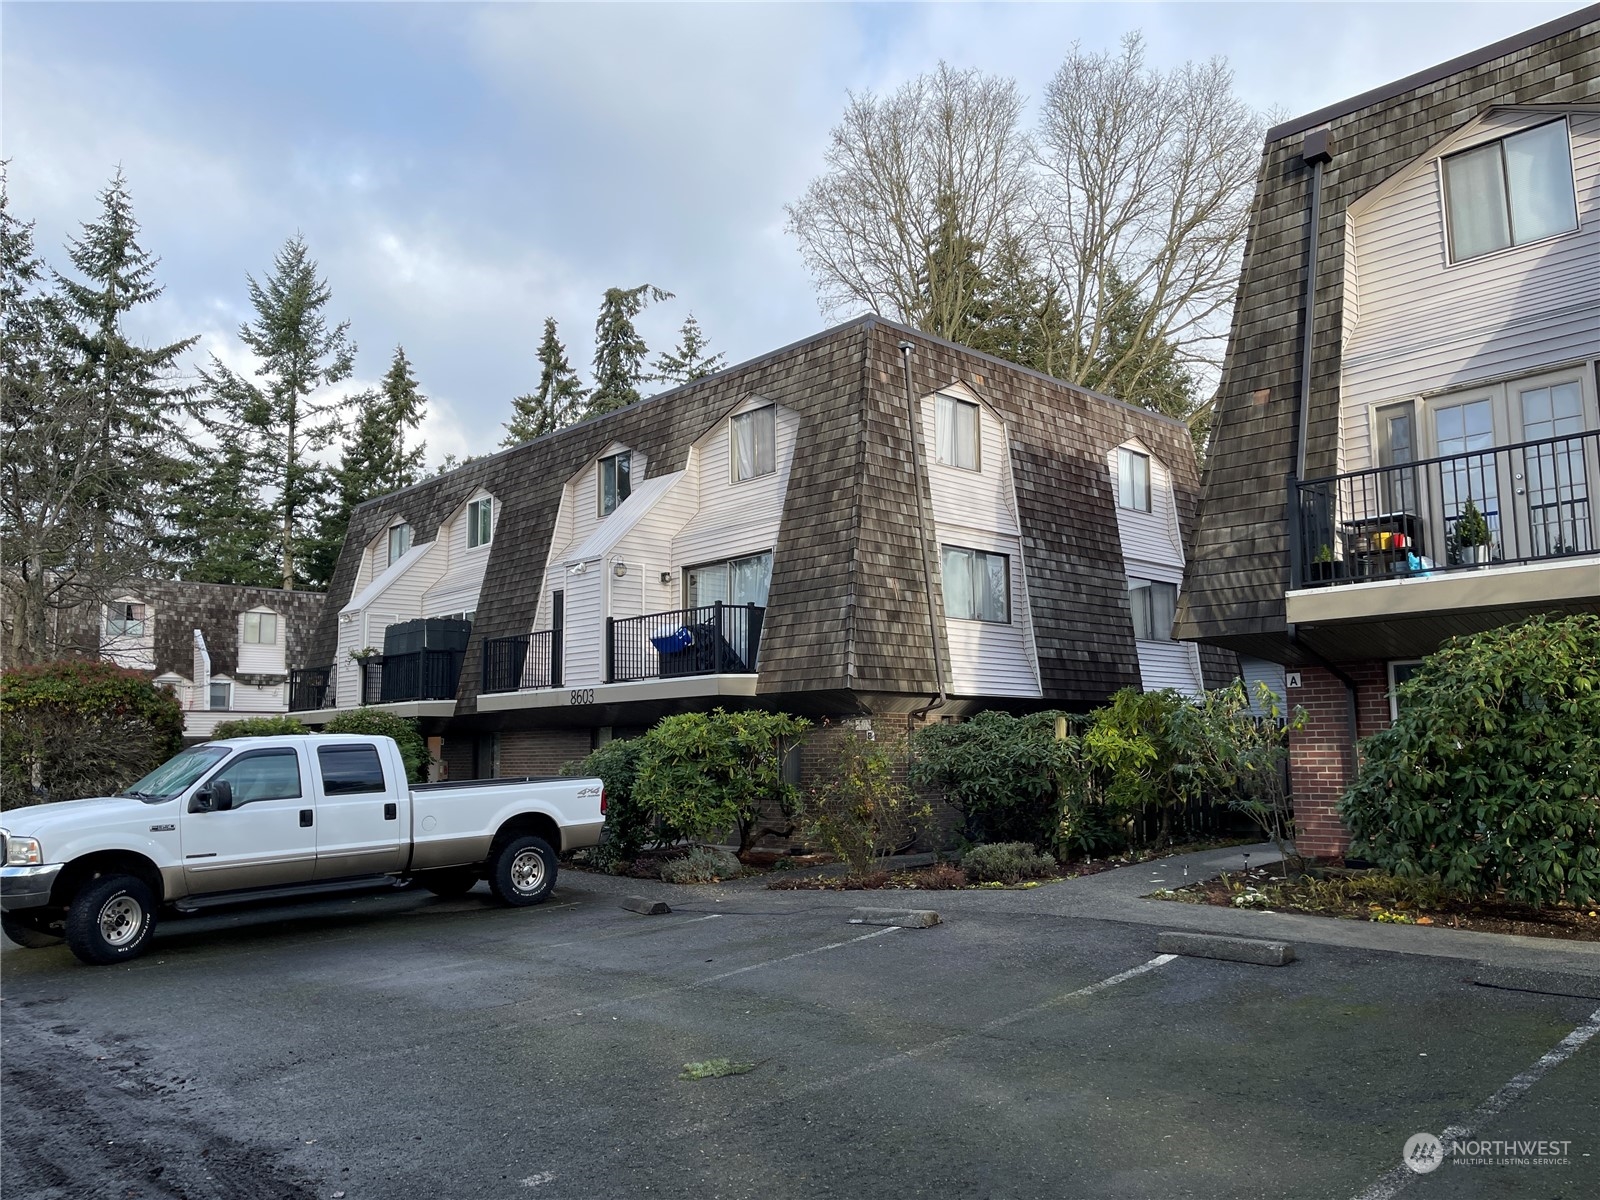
<point>420,675</point>
<point>714,639</point>
<point>308,688</point>
<point>1538,500</point>
<point>523,662</point>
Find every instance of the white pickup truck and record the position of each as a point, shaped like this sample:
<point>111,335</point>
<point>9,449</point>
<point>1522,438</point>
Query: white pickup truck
<point>257,818</point>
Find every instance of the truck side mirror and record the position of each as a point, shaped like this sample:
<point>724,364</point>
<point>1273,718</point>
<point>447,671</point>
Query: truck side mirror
<point>221,795</point>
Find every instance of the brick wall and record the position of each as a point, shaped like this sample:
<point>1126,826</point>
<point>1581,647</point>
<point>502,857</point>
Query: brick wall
<point>1320,755</point>
<point>541,752</point>
<point>457,754</point>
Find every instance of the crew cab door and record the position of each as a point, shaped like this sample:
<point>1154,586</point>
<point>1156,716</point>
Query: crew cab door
<point>362,812</point>
<point>268,838</point>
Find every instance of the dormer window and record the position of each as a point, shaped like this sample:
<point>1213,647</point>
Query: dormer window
<point>261,629</point>
<point>1133,480</point>
<point>480,522</point>
<point>399,542</point>
<point>616,481</point>
<point>753,438</point>
<point>1510,192</point>
<point>956,432</point>
<point>125,620</point>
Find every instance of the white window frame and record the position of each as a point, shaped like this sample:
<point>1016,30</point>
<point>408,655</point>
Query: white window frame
<point>128,621</point>
<point>260,618</point>
<point>945,412</point>
<point>1394,703</point>
<point>975,554</point>
<point>766,453</point>
<point>616,482</point>
<point>1444,196</point>
<point>211,695</point>
<point>400,531</point>
<point>1125,456</point>
<point>1148,587</point>
<point>480,522</point>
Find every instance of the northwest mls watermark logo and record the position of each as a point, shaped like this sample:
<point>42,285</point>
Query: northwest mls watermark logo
<point>1424,1152</point>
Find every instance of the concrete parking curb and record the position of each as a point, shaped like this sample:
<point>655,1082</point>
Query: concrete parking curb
<point>1533,979</point>
<point>1232,949</point>
<point>649,908</point>
<point>901,918</point>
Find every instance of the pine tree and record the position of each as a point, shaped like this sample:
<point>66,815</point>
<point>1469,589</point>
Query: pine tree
<point>1142,368</point>
<point>558,401</point>
<point>690,360</point>
<point>375,461</point>
<point>619,351</point>
<point>1019,315</point>
<point>300,356</point>
<point>141,400</point>
<point>220,530</point>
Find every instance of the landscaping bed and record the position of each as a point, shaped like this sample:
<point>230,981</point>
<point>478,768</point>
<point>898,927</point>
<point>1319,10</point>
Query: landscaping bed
<point>1373,896</point>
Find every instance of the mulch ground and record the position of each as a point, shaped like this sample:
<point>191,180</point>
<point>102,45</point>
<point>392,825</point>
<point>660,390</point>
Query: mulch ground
<point>1379,898</point>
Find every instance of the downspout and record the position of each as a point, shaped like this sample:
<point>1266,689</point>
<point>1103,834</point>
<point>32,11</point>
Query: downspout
<point>1314,153</point>
<point>939,700</point>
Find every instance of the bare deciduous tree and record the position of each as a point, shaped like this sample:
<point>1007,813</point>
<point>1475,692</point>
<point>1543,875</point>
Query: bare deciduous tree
<point>1145,198</point>
<point>919,189</point>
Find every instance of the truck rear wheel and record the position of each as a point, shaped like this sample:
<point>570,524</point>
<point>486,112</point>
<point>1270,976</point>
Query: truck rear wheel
<point>110,920</point>
<point>28,932</point>
<point>450,883</point>
<point>522,871</point>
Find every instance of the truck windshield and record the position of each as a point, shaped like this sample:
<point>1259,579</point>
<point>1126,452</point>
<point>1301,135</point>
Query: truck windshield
<point>172,776</point>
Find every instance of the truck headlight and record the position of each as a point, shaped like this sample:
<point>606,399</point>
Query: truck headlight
<point>23,852</point>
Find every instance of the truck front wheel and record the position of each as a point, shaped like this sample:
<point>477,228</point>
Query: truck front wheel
<point>111,919</point>
<point>523,871</point>
<point>29,932</point>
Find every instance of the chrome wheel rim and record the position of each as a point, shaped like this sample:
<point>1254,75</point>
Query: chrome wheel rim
<point>527,871</point>
<point>120,920</point>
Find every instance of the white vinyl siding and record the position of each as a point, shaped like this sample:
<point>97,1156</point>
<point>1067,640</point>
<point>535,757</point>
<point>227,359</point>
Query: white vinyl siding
<point>261,644</point>
<point>1148,535</point>
<point>1417,324</point>
<point>732,520</point>
<point>395,595</point>
<point>977,509</point>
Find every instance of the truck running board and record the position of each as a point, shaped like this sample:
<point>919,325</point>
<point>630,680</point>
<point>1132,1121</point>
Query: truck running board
<point>221,899</point>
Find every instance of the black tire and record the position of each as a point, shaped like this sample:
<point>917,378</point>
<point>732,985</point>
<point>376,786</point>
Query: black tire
<point>457,881</point>
<point>522,871</point>
<point>31,933</point>
<point>110,920</point>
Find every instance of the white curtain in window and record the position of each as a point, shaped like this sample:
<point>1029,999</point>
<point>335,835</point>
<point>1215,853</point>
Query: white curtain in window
<point>1479,222</point>
<point>751,579</point>
<point>996,588</point>
<point>944,429</point>
<point>1539,172</point>
<point>744,448</point>
<point>958,597</point>
<point>967,436</point>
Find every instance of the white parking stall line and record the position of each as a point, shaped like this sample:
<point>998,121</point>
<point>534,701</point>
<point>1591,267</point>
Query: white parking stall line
<point>1396,1180</point>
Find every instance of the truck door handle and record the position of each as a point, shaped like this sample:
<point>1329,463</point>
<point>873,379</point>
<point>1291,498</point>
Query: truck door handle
<point>391,812</point>
<point>305,818</point>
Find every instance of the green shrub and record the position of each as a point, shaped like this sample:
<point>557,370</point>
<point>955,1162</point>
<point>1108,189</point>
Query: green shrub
<point>703,864</point>
<point>75,729</point>
<point>258,727</point>
<point>1490,779</point>
<point>854,807</point>
<point>1006,862</point>
<point>377,723</point>
<point>701,774</point>
<point>1010,777</point>
<point>629,826</point>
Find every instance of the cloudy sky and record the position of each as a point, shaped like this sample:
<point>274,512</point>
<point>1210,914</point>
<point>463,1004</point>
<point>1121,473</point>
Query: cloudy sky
<point>462,171</point>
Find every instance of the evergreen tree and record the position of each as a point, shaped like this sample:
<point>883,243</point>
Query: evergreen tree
<point>619,351</point>
<point>300,355</point>
<point>141,401</point>
<point>556,404</point>
<point>690,360</point>
<point>374,462</point>
<point>1019,315</point>
<point>220,530</point>
<point>1142,367</point>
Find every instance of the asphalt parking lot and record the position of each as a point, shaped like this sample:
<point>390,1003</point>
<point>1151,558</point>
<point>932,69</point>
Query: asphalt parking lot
<point>396,1045</point>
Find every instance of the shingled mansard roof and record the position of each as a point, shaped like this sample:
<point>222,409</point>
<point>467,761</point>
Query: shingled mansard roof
<point>847,611</point>
<point>1239,568</point>
<point>181,607</point>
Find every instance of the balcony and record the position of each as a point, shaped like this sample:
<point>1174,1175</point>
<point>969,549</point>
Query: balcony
<point>308,688</point>
<point>1538,500</point>
<point>420,675</point>
<point>714,639</point>
<point>522,663</point>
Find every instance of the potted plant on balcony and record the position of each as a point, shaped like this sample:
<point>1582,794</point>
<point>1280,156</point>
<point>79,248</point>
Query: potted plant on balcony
<point>1472,535</point>
<point>1324,567</point>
